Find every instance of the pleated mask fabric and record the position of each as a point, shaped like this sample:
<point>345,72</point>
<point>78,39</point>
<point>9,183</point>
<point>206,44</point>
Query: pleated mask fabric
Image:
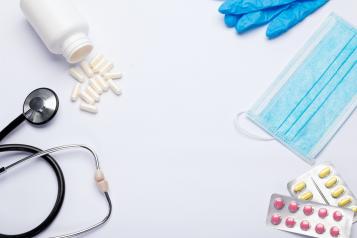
<point>315,94</point>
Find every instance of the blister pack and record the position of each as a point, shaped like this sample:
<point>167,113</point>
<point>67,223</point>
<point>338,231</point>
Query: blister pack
<point>308,218</point>
<point>324,185</point>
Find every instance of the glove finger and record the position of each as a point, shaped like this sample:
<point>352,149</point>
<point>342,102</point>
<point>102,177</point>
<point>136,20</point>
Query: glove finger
<point>255,19</point>
<point>239,7</point>
<point>297,12</point>
<point>231,20</point>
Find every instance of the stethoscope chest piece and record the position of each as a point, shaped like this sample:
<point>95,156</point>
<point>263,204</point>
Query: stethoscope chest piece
<point>40,106</point>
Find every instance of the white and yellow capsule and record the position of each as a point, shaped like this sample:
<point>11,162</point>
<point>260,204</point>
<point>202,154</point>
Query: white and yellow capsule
<point>344,201</point>
<point>299,187</point>
<point>331,182</point>
<point>325,172</point>
<point>306,196</point>
<point>338,192</point>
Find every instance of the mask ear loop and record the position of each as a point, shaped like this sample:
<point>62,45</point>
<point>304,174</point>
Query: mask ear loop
<point>246,133</point>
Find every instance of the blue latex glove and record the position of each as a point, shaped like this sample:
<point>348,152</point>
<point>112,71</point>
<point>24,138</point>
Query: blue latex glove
<point>231,20</point>
<point>288,18</point>
<point>255,19</point>
<point>281,17</point>
<point>239,7</point>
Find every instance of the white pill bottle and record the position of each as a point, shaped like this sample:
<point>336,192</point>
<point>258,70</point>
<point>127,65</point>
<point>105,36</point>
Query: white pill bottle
<point>60,26</point>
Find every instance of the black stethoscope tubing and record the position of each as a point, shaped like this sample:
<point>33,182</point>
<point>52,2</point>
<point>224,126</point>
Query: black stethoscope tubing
<point>60,191</point>
<point>52,163</point>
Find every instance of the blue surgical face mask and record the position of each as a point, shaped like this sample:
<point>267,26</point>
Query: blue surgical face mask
<point>315,94</point>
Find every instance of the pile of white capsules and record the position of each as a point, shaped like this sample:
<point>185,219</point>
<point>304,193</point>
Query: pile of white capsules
<point>94,78</point>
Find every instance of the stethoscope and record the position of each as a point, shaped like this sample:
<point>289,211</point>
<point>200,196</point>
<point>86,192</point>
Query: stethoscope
<point>40,106</point>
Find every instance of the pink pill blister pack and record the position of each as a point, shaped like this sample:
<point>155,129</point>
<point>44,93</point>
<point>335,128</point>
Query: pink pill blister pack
<point>308,218</point>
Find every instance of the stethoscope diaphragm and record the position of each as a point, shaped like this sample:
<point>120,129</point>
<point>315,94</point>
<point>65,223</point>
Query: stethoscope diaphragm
<point>40,106</point>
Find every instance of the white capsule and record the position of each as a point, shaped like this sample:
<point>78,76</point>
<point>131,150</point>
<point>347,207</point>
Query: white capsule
<point>86,97</point>
<point>115,88</point>
<point>77,74</point>
<point>94,84</point>
<point>106,68</point>
<point>103,83</point>
<point>87,69</point>
<point>93,93</point>
<point>88,108</point>
<point>75,92</point>
<point>96,60</point>
<point>113,75</point>
<point>99,65</point>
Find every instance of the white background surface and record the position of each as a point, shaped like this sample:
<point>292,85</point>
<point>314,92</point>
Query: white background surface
<point>177,168</point>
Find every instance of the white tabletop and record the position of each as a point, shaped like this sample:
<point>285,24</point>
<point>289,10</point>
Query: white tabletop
<point>176,166</point>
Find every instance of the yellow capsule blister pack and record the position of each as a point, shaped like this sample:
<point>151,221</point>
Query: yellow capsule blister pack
<point>324,185</point>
